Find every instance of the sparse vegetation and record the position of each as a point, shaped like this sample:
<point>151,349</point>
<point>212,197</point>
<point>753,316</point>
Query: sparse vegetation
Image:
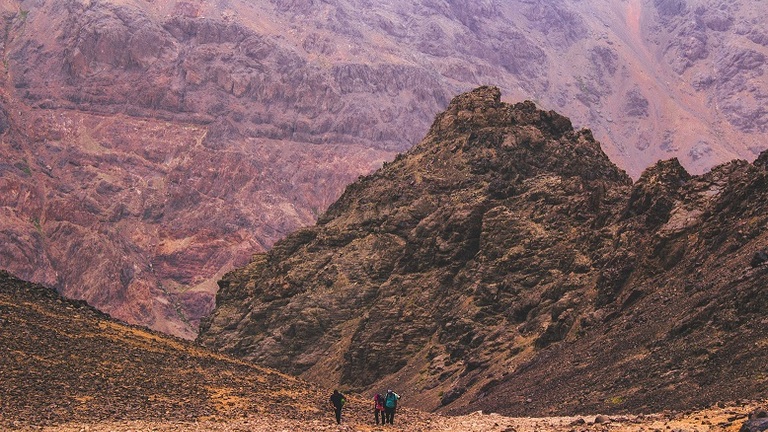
<point>38,226</point>
<point>23,166</point>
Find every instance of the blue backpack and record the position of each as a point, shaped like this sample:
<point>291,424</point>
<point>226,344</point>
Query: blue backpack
<point>391,400</point>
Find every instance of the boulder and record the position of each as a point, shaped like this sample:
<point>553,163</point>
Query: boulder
<point>755,425</point>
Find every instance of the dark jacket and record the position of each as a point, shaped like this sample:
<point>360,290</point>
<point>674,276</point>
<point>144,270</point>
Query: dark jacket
<point>337,399</point>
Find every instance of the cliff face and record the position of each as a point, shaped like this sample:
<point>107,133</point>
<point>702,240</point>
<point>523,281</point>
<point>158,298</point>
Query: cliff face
<point>149,147</point>
<point>137,170</point>
<point>504,263</point>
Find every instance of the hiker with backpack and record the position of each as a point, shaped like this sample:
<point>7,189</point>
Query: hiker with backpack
<point>390,405</point>
<point>378,407</point>
<point>338,400</point>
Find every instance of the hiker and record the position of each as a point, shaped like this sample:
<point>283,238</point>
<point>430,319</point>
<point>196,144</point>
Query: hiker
<point>378,407</point>
<point>338,400</point>
<point>390,405</point>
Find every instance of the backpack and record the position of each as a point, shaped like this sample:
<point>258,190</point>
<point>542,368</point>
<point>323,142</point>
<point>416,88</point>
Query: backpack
<point>338,400</point>
<point>391,400</point>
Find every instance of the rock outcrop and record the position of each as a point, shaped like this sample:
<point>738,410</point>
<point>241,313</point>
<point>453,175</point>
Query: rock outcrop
<point>505,264</point>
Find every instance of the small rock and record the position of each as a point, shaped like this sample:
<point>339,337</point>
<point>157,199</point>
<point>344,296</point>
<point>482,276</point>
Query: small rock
<point>601,419</point>
<point>759,258</point>
<point>452,395</point>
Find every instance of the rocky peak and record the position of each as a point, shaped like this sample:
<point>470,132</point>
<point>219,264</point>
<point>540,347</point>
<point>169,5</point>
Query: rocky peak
<point>480,99</point>
<point>433,211</point>
<point>482,145</point>
<point>656,191</point>
<point>498,260</point>
<point>762,160</point>
<point>668,175</point>
<point>482,107</point>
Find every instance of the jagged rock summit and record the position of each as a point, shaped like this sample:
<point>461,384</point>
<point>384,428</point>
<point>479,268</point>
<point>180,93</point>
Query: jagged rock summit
<point>506,264</point>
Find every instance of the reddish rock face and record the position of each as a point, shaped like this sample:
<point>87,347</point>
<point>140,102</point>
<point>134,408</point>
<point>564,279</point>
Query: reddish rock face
<point>150,146</point>
<point>138,218</point>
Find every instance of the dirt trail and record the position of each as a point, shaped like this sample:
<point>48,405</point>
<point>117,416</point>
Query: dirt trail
<point>728,419</point>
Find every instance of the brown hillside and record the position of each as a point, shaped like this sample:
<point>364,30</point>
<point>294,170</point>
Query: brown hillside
<point>505,263</point>
<point>63,362</point>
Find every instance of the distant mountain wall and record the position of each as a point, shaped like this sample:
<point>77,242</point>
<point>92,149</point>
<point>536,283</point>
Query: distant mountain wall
<point>149,147</point>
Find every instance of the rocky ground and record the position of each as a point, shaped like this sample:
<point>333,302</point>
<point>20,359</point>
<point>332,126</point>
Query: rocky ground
<point>719,419</point>
<point>66,367</point>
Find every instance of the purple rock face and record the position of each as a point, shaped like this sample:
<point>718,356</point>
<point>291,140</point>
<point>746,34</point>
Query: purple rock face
<point>149,147</point>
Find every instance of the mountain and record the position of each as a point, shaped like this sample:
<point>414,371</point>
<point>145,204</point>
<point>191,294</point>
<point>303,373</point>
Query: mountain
<point>506,264</point>
<point>150,146</point>
<point>68,367</point>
